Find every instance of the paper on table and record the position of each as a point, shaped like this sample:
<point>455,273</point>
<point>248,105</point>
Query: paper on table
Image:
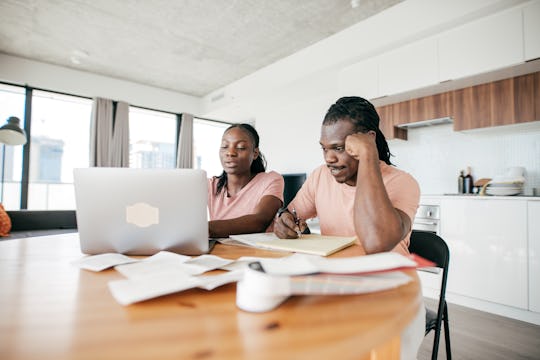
<point>301,264</point>
<point>259,292</point>
<point>130,291</point>
<point>310,244</point>
<point>165,261</point>
<point>102,261</point>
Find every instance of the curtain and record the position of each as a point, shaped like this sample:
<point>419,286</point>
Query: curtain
<point>119,155</point>
<point>184,157</point>
<point>109,141</point>
<point>101,131</point>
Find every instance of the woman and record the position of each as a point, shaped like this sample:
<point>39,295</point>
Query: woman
<point>244,198</point>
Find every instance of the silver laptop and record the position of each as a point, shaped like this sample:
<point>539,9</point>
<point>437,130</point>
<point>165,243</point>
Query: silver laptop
<point>141,211</point>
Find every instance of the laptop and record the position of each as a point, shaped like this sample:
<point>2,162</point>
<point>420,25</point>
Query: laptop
<point>141,211</point>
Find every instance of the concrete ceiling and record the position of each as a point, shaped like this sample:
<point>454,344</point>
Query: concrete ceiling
<point>190,46</point>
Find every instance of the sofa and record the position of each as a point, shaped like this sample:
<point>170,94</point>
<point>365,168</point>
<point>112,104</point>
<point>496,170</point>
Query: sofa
<point>29,223</point>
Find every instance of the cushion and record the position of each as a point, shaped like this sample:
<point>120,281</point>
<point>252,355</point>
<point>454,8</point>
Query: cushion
<point>5,222</point>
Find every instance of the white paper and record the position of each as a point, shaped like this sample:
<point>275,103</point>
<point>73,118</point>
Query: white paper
<point>347,284</point>
<point>303,264</point>
<point>103,261</point>
<point>162,262</point>
<point>209,262</point>
<point>241,263</point>
<point>296,264</point>
<point>362,264</point>
<point>260,292</point>
<point>130,291</point>
<point>210,282</point>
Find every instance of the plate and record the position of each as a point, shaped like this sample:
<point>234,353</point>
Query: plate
<point>503,191</point>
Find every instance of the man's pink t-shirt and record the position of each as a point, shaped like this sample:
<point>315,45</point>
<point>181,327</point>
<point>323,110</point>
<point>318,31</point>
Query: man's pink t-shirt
<point>222,207</point>
<point>333,203</point>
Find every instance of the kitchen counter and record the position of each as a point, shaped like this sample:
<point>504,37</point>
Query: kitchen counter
<point>478,197</point>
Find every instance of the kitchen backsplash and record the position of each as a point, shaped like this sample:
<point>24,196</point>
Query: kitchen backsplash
<point>435,155</point>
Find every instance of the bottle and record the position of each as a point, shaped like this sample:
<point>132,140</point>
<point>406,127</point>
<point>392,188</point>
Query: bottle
<point>468,182</point>
<point>461,182</point>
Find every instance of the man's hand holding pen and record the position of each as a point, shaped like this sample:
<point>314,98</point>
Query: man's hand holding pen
<point>290,226</point>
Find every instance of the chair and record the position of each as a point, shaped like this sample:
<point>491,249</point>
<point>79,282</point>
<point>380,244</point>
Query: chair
<point>432,247</point>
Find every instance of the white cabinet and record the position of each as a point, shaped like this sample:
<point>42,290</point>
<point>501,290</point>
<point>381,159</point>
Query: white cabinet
<point>531,30</point>
<point>488,44</point>
<point>409,67</point>
<point>488,249</point>
<point>533,213</point>
<point>360,79</point>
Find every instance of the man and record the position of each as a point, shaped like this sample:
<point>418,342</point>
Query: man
<point>358,192</point>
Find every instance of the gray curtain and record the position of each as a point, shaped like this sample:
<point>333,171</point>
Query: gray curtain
<point>184,158</point>
<point>119,155</point>
<point>109,142</point>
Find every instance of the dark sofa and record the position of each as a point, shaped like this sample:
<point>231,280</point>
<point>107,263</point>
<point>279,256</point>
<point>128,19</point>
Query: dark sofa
<point>27,223</point>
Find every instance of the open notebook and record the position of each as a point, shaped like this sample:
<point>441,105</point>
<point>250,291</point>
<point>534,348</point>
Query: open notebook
<point>309,244</point>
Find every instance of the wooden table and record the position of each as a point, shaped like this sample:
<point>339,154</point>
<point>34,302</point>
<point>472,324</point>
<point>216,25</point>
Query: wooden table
<point>49,309</point>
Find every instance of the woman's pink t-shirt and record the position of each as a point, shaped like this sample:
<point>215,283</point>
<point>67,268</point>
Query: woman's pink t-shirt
<point>333,203</point>
<point>222,207</point>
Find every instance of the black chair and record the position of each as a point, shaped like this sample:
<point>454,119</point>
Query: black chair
<point>293,183</point>
<point>432,247</point>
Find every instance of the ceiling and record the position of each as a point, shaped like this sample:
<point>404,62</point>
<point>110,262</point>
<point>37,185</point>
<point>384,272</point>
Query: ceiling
<point>190,46</point>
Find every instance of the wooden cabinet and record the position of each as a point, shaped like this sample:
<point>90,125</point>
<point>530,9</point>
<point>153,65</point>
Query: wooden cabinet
<point>488,249</point>
<point>505,102</point>
<point>431,107</point>
<point>491,43</point>
<point>388,122</point>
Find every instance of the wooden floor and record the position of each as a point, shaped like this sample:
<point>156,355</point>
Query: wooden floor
<point>479,335</point>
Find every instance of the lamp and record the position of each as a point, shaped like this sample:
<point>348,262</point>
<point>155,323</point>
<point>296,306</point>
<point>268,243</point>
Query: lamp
<point>10,134</point>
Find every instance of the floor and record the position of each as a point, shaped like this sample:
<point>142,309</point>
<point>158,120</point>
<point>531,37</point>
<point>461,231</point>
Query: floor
<point>480,335</point>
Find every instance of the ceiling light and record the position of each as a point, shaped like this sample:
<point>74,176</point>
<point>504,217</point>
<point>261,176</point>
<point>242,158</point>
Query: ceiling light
<point>355,3</point>
<point>77,56</point>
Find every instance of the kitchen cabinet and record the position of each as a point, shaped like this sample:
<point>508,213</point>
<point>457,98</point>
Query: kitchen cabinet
<point>409,67</point>
<point>431,107</point>
<point>388,120</point>
<point>531,29</point>
<point>488,44</point>
<point>360,79</point>
<point>533,213</point>
<point>488,249</point>
<point>504,102</point>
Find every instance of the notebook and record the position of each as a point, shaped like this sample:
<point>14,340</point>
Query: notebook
<point>309,244</point>
<point>141,211</point>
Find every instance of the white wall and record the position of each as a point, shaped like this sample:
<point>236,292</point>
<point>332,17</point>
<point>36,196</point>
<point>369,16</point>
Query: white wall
<point>51,77</point>
<point>435,155</point>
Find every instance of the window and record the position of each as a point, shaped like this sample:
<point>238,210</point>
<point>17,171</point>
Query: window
<point>206,142</point>
<point>12,100</point>
<point>60,142</point>
<point>152,138</point>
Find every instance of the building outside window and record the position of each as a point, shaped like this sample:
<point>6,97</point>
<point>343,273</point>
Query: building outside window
<point>152,139</point>
<point>60,142</point>
<point>206,142</point>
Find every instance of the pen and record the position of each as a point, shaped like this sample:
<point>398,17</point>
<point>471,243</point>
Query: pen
<point>297,222</point>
